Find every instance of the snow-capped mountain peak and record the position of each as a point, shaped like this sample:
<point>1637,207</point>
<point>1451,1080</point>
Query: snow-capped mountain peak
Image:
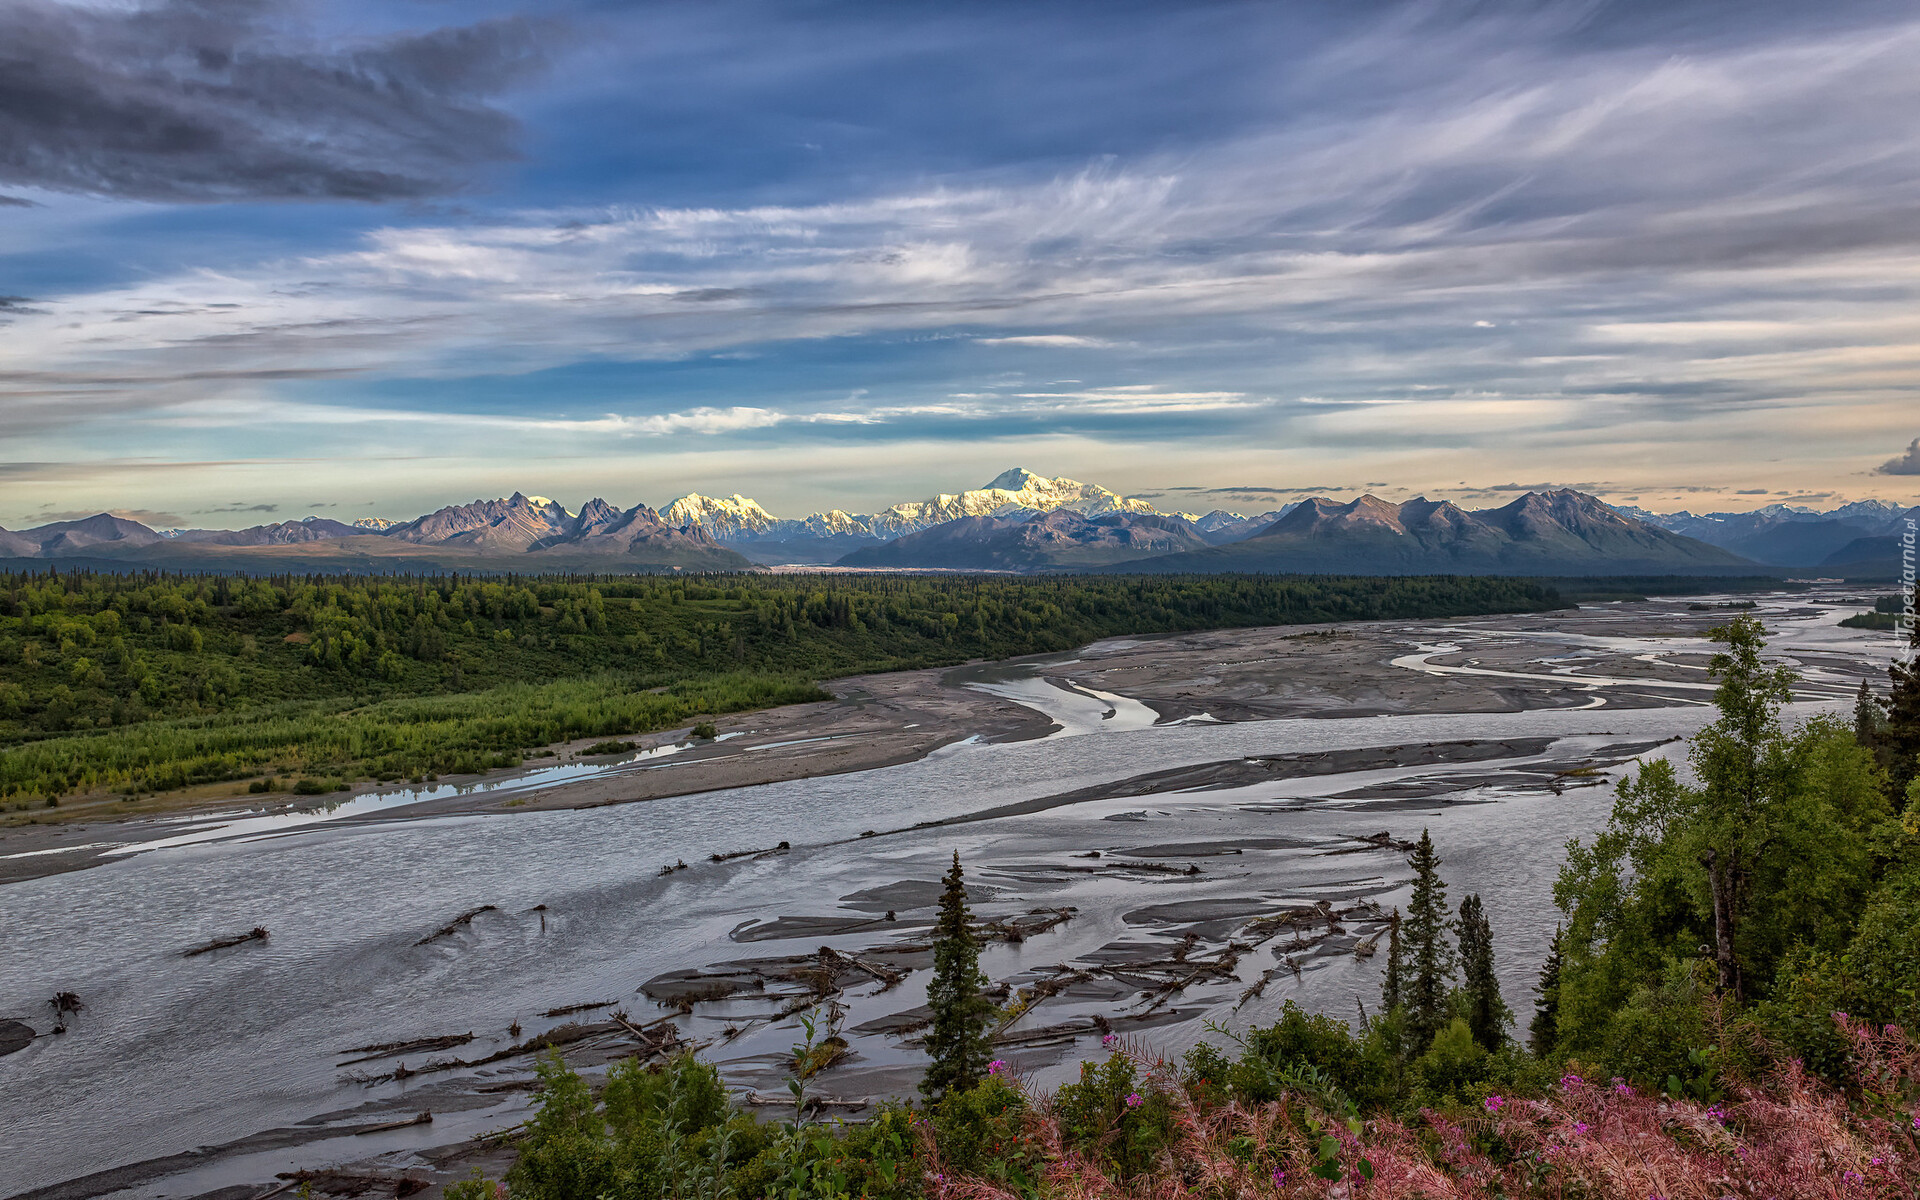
<point>727,519</point>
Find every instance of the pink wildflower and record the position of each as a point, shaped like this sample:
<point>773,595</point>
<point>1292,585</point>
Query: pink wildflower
<point>1134,1100</point>
<point>996,1066</point>
<point>1570,1082</point>
<point>1622,1087</point>
<point>1495,1103</point>
<point>1279,1177</point>
<point>1717,1113</point>
<point>1110,1039</point>
<point>1581,1126</point>
<point>1853,1176</point>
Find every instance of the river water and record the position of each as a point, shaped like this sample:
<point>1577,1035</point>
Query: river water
<point>174,1052</point>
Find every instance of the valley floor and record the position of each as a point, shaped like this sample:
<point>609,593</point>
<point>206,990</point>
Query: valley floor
<point>1161,832</point>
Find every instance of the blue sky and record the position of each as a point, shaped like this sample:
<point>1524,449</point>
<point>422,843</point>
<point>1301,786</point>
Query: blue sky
<point>262,259</point>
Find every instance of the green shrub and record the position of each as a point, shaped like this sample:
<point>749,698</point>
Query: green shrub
<point>1105,1114</point>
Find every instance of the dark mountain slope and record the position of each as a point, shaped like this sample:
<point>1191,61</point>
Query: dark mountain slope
<point>1561,532</point>
<point>1062,539</point>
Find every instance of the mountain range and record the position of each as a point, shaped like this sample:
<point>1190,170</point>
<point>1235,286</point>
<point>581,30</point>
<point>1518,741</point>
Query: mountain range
<point>518,532</point>
<point>1019,521</point>
<point>1541,533</point>
<point>1786,536</point>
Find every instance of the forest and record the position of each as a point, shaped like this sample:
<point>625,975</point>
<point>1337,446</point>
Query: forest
<point>1723,1014</point>
<point>142,683</point>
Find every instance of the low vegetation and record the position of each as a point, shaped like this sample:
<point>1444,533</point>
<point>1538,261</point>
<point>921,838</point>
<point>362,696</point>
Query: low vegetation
<point>144,683</point>
<point>1722,1015</point>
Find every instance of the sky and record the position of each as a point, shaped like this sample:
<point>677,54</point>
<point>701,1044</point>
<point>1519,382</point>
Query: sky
<point>261,259</point>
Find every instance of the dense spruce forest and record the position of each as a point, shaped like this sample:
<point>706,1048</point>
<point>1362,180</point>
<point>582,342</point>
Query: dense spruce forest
<point>150,682</point>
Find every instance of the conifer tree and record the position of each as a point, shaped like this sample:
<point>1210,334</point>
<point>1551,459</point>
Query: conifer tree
<point>1545,1030</point>
<point>1432,965</point>
<point>1393,987</point>
<point>1486,1010</point>
<point>1867,716</point>
<point>957,1039</point>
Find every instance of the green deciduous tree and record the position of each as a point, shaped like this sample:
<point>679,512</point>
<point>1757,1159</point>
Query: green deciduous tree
<point>957,1039</point>
<point>1772,854</point>
<point>1740,772</point>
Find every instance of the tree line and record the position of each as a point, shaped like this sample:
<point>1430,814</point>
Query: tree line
<point>144,682</point>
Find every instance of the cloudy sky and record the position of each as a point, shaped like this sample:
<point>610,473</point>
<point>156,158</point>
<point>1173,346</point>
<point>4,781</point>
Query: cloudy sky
<point>260,258</point>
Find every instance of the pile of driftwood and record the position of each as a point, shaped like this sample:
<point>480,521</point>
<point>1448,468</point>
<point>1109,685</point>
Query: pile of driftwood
<point>654,1038</point>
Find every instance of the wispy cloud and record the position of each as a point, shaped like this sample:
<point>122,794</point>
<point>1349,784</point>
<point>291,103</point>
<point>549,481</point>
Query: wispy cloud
<point>1613,240</point>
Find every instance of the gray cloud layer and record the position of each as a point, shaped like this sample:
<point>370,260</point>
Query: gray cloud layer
<point>1905,464</point>
<point>215,100</point>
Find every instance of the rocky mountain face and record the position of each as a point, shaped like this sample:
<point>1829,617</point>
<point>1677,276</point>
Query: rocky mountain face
<point>824,537</point>
<point>101,532</point>
<point>532,531</point>
<point>1557,532</point>
<point>514,523</point>
<point>1220,526</point>
<point>280,533</point>
<point>1063,539</point>
<point>733,519</point>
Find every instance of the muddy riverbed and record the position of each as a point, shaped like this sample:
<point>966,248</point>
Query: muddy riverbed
<point>1158,833</point>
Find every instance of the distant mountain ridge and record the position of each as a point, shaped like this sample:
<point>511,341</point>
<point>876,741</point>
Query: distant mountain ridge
<point>1063,539</point>
<point>532,531</point>
<point>1554,532</point>
<point>1021,521</point>
<point>1786,535</point>
<point>824,537</point>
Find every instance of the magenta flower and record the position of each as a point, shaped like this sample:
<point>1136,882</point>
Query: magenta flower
<point>1853,1177</point>
<point>1581,1126</point>
<point>996,1066</point>
<point>1495,1103</point>
<point>1621,1087</point>
<point>1279,1177</point>
<point>1110,1039</point>
<point>1134,1100</point>
<point>1571,1081</point>
<point>1717,1113</point>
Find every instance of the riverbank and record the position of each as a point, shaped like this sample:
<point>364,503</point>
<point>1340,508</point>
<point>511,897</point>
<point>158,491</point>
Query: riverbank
<point>1121,858</point>
<point>1334,671</point>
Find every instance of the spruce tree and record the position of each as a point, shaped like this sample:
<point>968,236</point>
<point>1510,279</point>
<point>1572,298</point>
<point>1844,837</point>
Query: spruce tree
<point>1545,1030</point>
<point>1393,987</point>
<point>957,1039</point>
<point>1486,1010</point>
<point>1425,995</point>
<point>1867,716</point>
